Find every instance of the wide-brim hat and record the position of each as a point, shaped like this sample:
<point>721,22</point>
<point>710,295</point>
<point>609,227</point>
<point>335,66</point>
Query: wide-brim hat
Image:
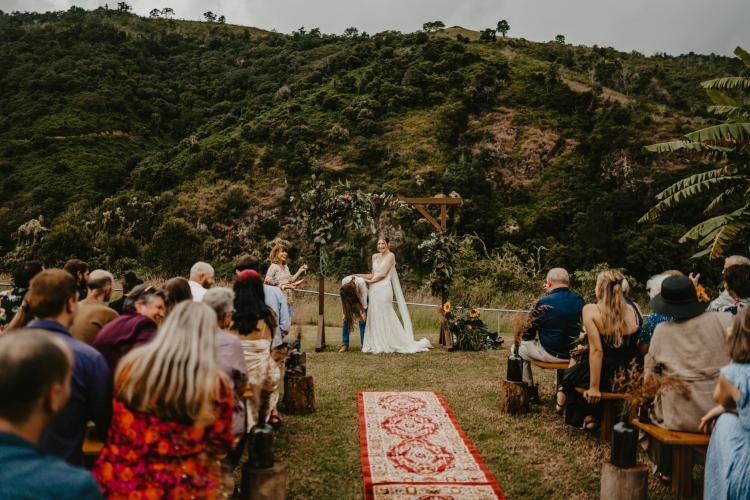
<point>678,299</point>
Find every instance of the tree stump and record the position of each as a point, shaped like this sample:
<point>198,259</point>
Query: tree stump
<point>299,394</point>
<point>513,397</point>
<point>264,484</point>
<point>624,484</point>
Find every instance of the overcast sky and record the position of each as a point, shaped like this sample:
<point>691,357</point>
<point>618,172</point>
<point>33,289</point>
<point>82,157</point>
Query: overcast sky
<point>672,26</point>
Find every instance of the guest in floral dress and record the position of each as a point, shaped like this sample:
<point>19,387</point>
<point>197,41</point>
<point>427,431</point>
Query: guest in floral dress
<point>172,421</point>
<point>653,286</point>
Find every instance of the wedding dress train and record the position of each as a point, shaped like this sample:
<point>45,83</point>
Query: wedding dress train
<point>384,332</point>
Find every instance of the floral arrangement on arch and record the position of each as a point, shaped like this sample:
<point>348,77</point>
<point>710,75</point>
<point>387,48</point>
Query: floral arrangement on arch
<point>327,211</point>
<point>468,330</point>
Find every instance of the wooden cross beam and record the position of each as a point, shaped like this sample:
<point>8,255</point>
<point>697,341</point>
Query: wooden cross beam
<point>420,203</point>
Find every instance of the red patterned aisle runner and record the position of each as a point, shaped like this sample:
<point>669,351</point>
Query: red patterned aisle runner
<point>413,448</point>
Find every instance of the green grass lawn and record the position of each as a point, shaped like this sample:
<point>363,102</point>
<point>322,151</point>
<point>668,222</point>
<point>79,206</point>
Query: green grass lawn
<point>532,456</point>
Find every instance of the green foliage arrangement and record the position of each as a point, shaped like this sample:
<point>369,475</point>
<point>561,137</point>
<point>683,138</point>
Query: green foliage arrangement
<point>730,142</point>
<point>439,251</point>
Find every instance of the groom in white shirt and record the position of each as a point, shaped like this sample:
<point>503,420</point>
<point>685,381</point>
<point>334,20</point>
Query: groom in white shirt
<point>350,286</point>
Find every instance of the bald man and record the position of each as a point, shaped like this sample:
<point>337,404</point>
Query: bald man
<point>201,279</point>
<point>556,321</point>
<point>93,312</point>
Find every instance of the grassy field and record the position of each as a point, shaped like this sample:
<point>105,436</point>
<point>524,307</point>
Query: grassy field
<point>532,456</point>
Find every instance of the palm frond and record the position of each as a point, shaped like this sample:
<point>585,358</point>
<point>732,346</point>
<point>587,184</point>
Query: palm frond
<point>727,82</point>
<point>725,134</point>
<point>719,200</point>
<point>743,54</point>
<point>672,146</point>
<point>718,174</point>
<point>706,227</point>
<point>720,98</point>
<point>728,111</point>
<point>727,234</point>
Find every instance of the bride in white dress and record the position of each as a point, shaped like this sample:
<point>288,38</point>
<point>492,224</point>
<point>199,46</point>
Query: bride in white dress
<point>384,331</point>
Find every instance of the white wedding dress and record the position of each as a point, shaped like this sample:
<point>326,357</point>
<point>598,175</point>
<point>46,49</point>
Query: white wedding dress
<point>384,331</point>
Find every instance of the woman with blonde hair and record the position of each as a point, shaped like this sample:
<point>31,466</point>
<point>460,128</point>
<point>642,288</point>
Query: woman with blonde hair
<point>172,421</point>
<point>278,274</point>
<point>612,326</point>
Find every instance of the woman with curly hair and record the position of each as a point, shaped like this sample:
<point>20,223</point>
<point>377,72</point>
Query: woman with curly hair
<point>278,274</point>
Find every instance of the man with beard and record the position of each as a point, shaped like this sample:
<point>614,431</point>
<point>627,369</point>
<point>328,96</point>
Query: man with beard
<point>93,312</point>
<point>201,279</point>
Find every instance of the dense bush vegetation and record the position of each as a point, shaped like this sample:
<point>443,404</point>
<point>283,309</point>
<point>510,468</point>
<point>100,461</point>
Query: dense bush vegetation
<point>157,141</point>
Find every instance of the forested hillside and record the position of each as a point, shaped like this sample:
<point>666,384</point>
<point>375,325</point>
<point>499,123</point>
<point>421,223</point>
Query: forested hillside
<point>136,142</point>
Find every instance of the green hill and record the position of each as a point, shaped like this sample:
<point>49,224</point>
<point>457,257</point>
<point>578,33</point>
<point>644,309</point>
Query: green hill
<point>151,142</point>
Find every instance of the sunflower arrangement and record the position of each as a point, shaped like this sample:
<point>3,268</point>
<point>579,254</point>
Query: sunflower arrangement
<point>469,332</point>
<point>701,293</point>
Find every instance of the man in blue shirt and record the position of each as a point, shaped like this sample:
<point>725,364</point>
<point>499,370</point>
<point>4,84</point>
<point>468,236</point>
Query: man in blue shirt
<point>52,301</point>
<point>556,320</point>
<point>35,374</point>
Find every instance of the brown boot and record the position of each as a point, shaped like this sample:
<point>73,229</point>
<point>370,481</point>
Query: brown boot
<point>344,348</point>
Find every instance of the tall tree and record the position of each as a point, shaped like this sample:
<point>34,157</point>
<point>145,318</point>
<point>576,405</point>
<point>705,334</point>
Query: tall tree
<point>560,39</point>
<point>730,143</point>
<point>154,13</point>
<point>167,12</point>
<point>124,7</point>
<point>209,16</point>
<point>503,27</point>
<point>222,19</point>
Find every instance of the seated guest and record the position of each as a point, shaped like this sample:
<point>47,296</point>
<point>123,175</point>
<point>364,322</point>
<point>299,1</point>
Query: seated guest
<point>144,310</point>
<point>201,279</point>
<point>737,280</point>
<point>35,374</point>
<point>177,289</point>
<point>728,459</point>
<point>128,281</point>
<point>276,301</point>
<point>612,326</point>
<point>229,355</point>
<point>689,348</point>
<point>725,298</point>
<point>353,293</point>
<point>653,286</point>
<point>80,272</point>
<point>172,420</point>
<point>254,323</point>
<point>556,319</point>
<point>11,302</point>
<point>273,297</point>
<point>93,312</point>
<point>52,299</point>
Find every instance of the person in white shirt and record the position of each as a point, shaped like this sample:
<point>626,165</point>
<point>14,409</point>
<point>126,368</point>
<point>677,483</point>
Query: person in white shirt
<point>201,279</point>
<point>353,294</point>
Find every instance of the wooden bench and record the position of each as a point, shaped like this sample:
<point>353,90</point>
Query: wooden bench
<point>683,445</point>
<point>558,367</point>
<point>610,404</point>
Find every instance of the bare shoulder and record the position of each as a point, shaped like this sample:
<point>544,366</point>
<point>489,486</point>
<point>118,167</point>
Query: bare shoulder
<point>590,311</point>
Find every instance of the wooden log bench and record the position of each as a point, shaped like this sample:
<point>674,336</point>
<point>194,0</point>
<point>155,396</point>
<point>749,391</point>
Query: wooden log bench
<point>558,367</point>
<point>683,445</point>
<point>610,402</point>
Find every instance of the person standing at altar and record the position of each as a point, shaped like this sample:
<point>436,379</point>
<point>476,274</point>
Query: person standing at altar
<point>353,294</point>
<point>278,274</point>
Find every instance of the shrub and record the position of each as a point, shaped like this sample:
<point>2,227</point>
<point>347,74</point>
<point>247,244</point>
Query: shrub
<point>176,246</point>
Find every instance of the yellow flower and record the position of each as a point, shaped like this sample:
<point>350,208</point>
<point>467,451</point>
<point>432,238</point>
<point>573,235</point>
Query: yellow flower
<point>701,293</point>
<point>474,313</point>
<point>447,307</point>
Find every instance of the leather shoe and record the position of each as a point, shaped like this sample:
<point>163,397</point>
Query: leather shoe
<point>344,348</point>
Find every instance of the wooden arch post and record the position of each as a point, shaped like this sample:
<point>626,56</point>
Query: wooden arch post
<point>446,339</point>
